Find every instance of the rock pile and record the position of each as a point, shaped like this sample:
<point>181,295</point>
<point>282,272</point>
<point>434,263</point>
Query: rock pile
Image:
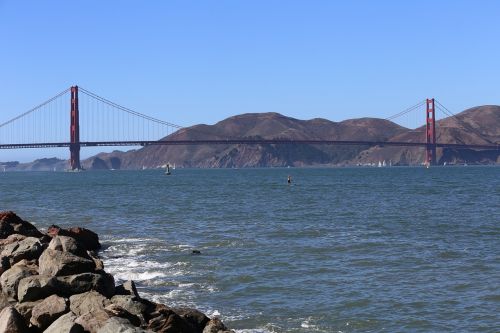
<point>55,283</point>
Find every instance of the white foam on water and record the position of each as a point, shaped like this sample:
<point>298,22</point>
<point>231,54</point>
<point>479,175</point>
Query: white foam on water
<point>130,240</point>
<point>139,277</point>
<point>307,324</point>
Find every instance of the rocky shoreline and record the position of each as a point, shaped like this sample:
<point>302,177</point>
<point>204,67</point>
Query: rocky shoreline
<point>54,282</point>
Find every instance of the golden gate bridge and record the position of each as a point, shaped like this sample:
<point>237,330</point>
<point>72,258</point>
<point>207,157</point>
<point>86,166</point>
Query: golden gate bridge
<point>105,123</point>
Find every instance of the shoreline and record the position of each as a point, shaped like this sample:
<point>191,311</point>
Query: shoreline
<point>55,282</point>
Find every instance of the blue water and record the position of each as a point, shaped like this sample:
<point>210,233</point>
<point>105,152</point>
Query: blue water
<point>340,250</point>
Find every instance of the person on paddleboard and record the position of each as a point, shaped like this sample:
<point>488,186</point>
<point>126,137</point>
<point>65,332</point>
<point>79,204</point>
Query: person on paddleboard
<point>289,180</point>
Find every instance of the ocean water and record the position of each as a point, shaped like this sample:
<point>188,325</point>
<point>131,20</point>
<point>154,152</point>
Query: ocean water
<point>338,250</point>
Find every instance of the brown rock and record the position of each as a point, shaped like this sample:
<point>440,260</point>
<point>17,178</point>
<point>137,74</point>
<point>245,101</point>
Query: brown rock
<point>47,311</point>
<point>14,238</point>
<point>131,304</point>
<point>10,279</point>
<point>4,264</point>
<point>11,321</point>
<point>86,237</point>
<point>53,262</point>
<point>28,248</point>
<point>35,287</point>
<point>5,229</point>
<point>68,244</point>
<point>127,288</point>
<point>165,320</point>
<point>90,301</point>
<point>117,311</point>
<point>65,324</point>
<point>99,264</point>
<point>10,223</point>
<point>25,309</point>
<point>54,230</point>
<point>215,325</point>
<point>101,282</point>
<point>120,325</point>
<point>93,321</point>
<point>4,301</point>
<point>194,317</point>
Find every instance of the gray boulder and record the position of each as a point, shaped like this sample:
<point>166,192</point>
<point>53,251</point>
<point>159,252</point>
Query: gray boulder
<point>131,304</point>
<point>68,244</point>
<point>6,229</point>
<point>164,319</point>
<point>47,311</point>
<point>79,283</point>
<point>10,223</point>
<point>196,318</point>
<point>4,301</point>
<point>28,248</point>
<point>117,311</point>
<point>93,321</point>
<point>120,325</point>
<point>25,309</point>
<point>99,264</point>
<point>14,238</point>
<point>65,324</point>
<point>90,301</point>
<point>11,277</point>
<point>11,321</point>
<point>34,287</point>
<point>127,288</point>
<point>215,325</point>
<point>53,262</point>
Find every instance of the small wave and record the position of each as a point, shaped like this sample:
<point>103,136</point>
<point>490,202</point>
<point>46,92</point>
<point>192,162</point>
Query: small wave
<point>140,277</point>
<point>307,324</point>
<point>492,298</point>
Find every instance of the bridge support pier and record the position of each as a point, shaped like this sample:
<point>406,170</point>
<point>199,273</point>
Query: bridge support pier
<point>74,147</point>
<point>430,133</point>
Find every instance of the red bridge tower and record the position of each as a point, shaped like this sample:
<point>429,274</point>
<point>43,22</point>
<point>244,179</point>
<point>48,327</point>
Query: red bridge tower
<point>74,130</point>
<point>430,133</point>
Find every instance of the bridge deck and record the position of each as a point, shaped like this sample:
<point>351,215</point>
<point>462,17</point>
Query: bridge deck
<point>246,142</point>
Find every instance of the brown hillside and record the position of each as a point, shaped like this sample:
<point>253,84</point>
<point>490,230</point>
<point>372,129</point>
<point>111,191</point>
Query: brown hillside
<point>484,119</point>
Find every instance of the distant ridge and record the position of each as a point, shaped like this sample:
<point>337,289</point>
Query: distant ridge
<point>482,119</point>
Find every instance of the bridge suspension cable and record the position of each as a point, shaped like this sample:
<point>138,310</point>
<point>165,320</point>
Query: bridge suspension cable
<point>408,110</point>
<point>36,108</point>
<point>461,123</point>
<point>125,109</point>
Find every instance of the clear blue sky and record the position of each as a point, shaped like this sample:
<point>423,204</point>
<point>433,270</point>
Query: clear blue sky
<point>192,62</point>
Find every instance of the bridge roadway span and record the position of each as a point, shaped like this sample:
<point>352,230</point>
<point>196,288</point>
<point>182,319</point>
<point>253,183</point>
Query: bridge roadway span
<point>245,142</point>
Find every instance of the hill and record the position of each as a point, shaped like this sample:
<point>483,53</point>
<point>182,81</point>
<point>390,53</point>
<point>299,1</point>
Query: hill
<point>252,126</point>
<point>464,128</point>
